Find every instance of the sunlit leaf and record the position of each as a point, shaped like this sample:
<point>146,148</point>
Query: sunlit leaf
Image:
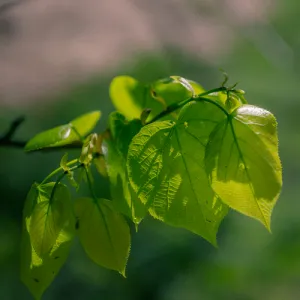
<point>130,97</point>
<point>243,163</point>
<point>99,161</point>
<point>166,170</point>
<point>48,218</point>
<point>103,233</point>
<point>184,83</point>
<point>65,134</point>
<point>230,101</point>
<point>36,273</point>
<point>63,162</point>
<point>175,89</point>
<point>89,148</point>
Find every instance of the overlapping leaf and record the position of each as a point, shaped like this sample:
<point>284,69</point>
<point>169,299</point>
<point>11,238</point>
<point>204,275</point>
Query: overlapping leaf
<point>37,273</point>
<point>243,163</point>
<point>65,134</point>
<point>103,233</point>
<point>49,217</point>
<point>115,148</point>
<point>131,97</point>
<point>166,170</point>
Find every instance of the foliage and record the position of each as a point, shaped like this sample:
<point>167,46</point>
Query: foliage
<point>184,155</point>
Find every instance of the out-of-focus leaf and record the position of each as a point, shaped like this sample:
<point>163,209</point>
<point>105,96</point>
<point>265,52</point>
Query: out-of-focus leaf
<point>36,273</point>
<point>103,233</point>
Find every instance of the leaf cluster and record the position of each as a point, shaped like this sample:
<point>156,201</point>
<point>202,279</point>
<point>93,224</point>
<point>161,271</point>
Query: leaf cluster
<point>171,150</point>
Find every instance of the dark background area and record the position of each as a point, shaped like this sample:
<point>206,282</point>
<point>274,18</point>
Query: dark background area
<point>57,59</point>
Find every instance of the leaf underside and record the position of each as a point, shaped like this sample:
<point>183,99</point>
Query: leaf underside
<point>243,163</point>
<point>49,218</point>
<point>103,233</point>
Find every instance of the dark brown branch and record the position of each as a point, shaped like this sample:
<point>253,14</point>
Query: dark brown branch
<point>6,140</point>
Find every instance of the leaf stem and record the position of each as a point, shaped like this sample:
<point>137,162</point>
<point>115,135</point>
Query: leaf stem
<point>60,178</point>
<point>55,186</point>
<point>171,108</point>
<point>214,103</point>
<point>90,184</point>
<point>56,171</point>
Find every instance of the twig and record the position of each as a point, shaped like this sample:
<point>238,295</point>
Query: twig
<point>6,139</point>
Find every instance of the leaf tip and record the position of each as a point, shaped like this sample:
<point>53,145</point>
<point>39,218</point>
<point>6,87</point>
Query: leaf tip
<point>123,272</point>
<point>268,226</point>
<point>266,221</point>
<point>214,242</point>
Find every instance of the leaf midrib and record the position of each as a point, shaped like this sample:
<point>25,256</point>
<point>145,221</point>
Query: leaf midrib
<point>246,168</point>
<point>192,186</point>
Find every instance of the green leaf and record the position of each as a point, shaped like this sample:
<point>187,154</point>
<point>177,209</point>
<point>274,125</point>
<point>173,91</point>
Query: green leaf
<point>65,134</point>
<point>99,161</point>
<point>49,217</point>
<point>103,233</point>
<point>90,147</point>
<point>130,97</point>
<point>166,170</point>
<point>175,88</point>
<point>36,273</point>
<point>63,162</point>
<point>243,163</point>
<point>230,101</point>
<point>184,83</point>
<point>115,148</point>
<point>123,131</point>
<point>123,197</point>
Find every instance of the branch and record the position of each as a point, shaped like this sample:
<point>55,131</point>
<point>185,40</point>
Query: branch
<point>6,139</point>
<point>173,107</point>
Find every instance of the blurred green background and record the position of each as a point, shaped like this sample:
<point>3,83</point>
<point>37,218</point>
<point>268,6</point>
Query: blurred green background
<point>256,42</point>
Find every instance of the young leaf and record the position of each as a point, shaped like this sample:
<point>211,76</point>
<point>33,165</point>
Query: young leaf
<point>243,163</point>
<point>49,217</point>
<point>166,170</point>
<point>65,134</point>
<point>175,88</point>
<point>229,100</point>
<point>184,83</point>
<point>103,233</point>
<point>63,162</point>
<point>89,148</point>
<point>130,97</point>
<point>36,273</point>
<point>99,161</point>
